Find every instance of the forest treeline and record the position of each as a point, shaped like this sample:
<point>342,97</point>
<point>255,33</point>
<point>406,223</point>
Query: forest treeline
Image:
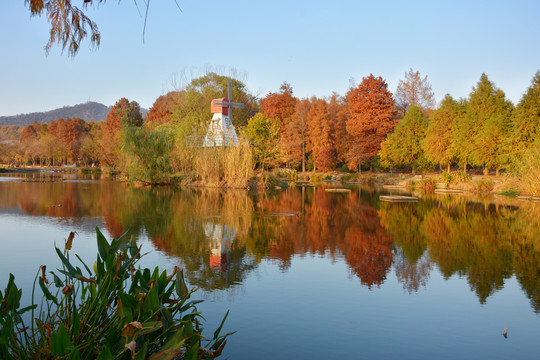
<point>369,127</point>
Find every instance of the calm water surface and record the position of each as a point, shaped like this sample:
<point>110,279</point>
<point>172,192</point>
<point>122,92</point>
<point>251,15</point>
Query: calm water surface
<point>308,273</point>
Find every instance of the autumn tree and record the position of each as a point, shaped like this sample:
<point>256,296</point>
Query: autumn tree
<point>438,143</point>
<point>414,90</point>
<point>339,112</point>
<point>279,106</point>
<point>371,118</point>
<point>294,138</point>
<point>321,135</point>
<point>163,108</point>
<point>489,114</point>
<point>263,135</point>
<point>404,145</point>
<point>90,150</point>
<point>526,122</point>
<point>194,113</point>
<point>123,113</point>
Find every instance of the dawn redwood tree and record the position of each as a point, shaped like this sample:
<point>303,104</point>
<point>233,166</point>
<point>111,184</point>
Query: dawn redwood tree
<point>371,118</point>
<point>69,25</point>
<point>279,106</point>
<point>489,114</point>
<point>526,120</point>
<point>414,90</point>
<point>320,132</point>
<point>438,143</point>
<point>404,145</point>
<point>295,135</point>
<point>338,110</point>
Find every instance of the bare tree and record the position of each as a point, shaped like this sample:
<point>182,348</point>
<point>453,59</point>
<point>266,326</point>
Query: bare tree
<point>414,90</point>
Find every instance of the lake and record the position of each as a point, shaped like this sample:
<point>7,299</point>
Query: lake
<point>308,273</point>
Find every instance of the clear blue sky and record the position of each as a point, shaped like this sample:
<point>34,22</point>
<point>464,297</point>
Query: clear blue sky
<point>316,46</point>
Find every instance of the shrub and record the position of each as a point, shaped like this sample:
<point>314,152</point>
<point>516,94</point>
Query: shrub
<point>427,185</point>
<point>290,174</point>
<point>114,312</point>
<point>484,185</point>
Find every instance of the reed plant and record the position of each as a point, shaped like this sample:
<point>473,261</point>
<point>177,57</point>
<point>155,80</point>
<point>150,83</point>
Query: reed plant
<point>224,166</point>
<point>115,311</point>
<point>426,185</point>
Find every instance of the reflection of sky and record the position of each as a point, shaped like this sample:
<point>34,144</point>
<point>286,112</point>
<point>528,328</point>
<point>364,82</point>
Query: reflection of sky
<point>316,308</point>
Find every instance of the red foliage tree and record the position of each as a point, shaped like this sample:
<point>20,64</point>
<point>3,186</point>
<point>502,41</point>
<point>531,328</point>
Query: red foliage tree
<point>123,113</point>
<point>279,106</point>
<point>295,134</point>
<point>320,131</point>
<point>164,106</point>
<point>371,118</point>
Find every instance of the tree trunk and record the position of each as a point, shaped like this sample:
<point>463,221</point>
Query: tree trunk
<point>465,167</point>
<point>303,157</point>
<point>448,169</point>
<point>497,171</point>
<point>486,171</point>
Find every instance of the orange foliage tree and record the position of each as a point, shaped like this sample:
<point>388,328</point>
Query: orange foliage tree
<point>294,138</point>
<point>279,106</point>
<point>321,135</point>
<point>371,118</point>
<point>123,113</point>
<point>164,106</point>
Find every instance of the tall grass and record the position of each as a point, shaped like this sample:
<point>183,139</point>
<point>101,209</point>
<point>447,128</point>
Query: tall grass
<point>224,166</point>
<point>115,311</point>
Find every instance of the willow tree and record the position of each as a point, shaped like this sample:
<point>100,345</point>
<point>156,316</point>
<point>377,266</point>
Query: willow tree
<point>371,118</point>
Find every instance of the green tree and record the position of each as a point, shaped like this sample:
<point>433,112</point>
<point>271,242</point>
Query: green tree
<point>490,114</point>
<point>526,122</point>
<point>146,154</point>
<point>263,134</point>
<point>404,145</point>
<point>439,137</point>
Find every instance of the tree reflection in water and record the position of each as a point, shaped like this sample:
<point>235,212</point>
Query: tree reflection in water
<point>220,237</point>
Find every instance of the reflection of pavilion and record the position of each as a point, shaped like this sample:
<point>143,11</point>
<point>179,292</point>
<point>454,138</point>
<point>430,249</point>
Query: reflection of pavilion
<point>221,237</point>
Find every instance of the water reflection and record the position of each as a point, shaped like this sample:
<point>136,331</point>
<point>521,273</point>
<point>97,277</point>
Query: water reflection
<point>221,237</point>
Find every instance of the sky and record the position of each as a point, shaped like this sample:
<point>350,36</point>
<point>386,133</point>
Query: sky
<point>315,46</point>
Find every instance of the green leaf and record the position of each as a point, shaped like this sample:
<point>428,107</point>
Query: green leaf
<point>46,291</point>
<point>67,264</point>
<point>216,333</point>
<point>141,354</point>
<point>85,266</point>
<point>105,354</point>
<point>181,288</point>
<point>103,245</point>
<point>151,303</point>
<point>60,341</point>
<point>57,282</point>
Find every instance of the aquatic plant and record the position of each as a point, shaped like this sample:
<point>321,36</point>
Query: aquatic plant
<point>116,311</point>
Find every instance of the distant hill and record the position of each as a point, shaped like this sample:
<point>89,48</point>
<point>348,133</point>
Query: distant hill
<point>88,111</point>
